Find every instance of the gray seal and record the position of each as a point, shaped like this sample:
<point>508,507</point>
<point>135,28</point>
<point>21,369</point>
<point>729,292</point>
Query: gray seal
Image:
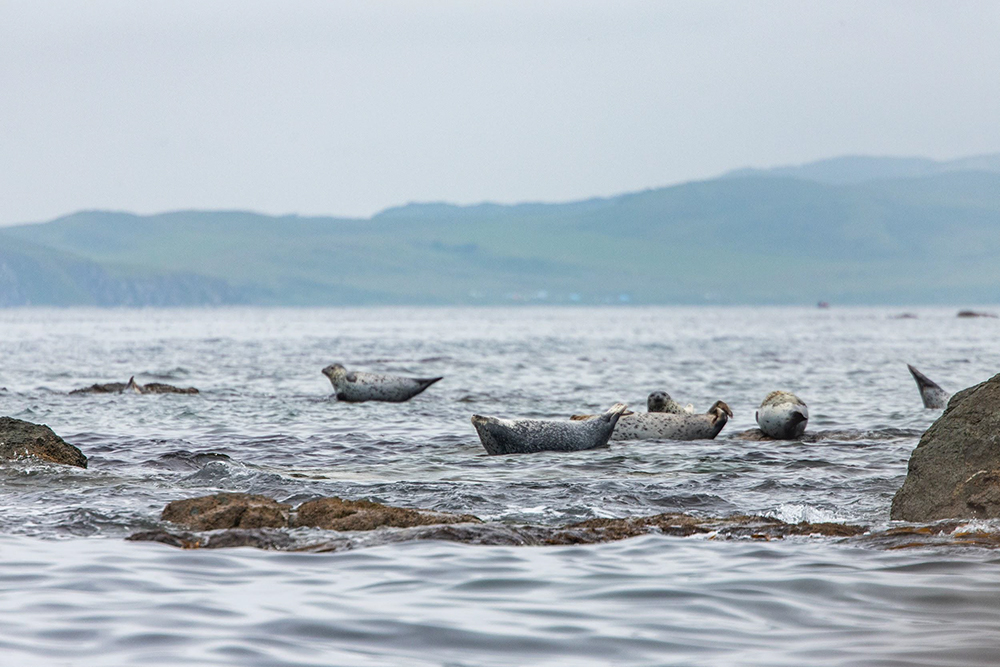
<point>933,396</point>
<point>356,386</point>
<point>524,436</point>
<point>673,426</point>
<point>782,415</point>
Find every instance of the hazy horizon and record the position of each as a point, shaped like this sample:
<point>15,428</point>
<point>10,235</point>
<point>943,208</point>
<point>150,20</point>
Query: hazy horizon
<point>341,109</point>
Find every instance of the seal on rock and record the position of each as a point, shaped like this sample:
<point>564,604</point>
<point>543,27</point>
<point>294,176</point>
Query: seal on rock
<point>673,426</point>
<point>524,436</point>
<point>934,397</point>
<point>782,415</point>
<point>356,386</point>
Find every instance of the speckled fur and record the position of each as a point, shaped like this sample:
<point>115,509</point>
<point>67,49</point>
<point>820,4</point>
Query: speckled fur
<point>356,387</point>
<point>524,436</point>
<point>673,426</point>
<point>782,415</point>
<point>933,396</point>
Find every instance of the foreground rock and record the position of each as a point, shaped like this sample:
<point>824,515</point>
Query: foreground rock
<point>19,439</point>
<point>247,511</point>
<point>955,470</point>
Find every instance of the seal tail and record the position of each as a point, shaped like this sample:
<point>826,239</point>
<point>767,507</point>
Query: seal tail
<point>923,382</point>
<point>132,386</point>
<point>614,412</point>
<point>426,382</point>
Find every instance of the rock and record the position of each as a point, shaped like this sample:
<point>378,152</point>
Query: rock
<point>260,538</point>
<point>974,313</point>
<point>227,510</point>
<point>338,514</point>
<point>954,472</point>
<point>120,387</point>
<point>20,438</point>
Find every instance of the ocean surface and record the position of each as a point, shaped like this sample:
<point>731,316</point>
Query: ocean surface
<point>74,592</point>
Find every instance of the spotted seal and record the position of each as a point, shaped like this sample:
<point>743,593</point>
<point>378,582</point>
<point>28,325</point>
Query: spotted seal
<point>524,436</point>
<point>934,397</point>
<point>356,386</point>
<point>672,425</point>
<point>782,415</point>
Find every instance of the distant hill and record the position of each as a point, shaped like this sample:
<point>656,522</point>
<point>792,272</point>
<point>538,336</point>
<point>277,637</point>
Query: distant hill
<point>850,170</point>
<point>753,238</point>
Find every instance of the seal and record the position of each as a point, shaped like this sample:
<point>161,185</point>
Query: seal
<point>525,436</point>
<point>356,387</point>
<point>660,401</point>
<point>933,396</point>
<point>782,415</point>
<point>672,425</point>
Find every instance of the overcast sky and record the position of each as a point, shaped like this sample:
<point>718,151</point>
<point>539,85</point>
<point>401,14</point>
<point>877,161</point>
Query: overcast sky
<point>346,109</point>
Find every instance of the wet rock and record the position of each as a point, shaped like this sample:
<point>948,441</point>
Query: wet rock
<point>20,438</point>
<point>259,538</point>
<point>338,514</point>
<point>954,472</point>
<point>753,435</point>
<point>974,313</point>
<point>108,388</point>
<point>120,387</point>
<point>227,510</point>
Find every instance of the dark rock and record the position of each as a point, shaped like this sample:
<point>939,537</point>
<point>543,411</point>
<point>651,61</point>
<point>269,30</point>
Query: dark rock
<point>160,388</point>
<point>20,438</point>
<point>974,313</point>
<point>180,540</point>
<point>338,514</point>
<point>260,538</point>
<point>109,388</point>
<point>954,472</point>
<point>227,510</point>
<point>119,387</point>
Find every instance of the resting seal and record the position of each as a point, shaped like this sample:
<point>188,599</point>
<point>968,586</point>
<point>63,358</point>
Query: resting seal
<point>355,386</point>
<point>524,436</point>
<point>672,425</point>
<point>934,397</point>
<point>782,415</point>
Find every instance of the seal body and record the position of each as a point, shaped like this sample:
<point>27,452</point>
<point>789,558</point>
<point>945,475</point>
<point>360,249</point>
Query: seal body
<point>933,396</point>
<point>356,387</point>
<point>672,425</point>
<point>524,436</point>
<point>782,415</point>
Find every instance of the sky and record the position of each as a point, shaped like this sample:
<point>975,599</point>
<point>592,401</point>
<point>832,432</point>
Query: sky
<point>327,108</point>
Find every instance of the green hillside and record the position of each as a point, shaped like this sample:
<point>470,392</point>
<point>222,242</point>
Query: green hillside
<point>737,239</point>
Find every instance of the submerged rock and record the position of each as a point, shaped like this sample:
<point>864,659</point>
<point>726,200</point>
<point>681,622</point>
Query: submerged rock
<point>20,438</point>
<point>338,514</point>
<point>244,510</point>
<point>954,472</point>
<point>133,386</point>
<point>227,510</point>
